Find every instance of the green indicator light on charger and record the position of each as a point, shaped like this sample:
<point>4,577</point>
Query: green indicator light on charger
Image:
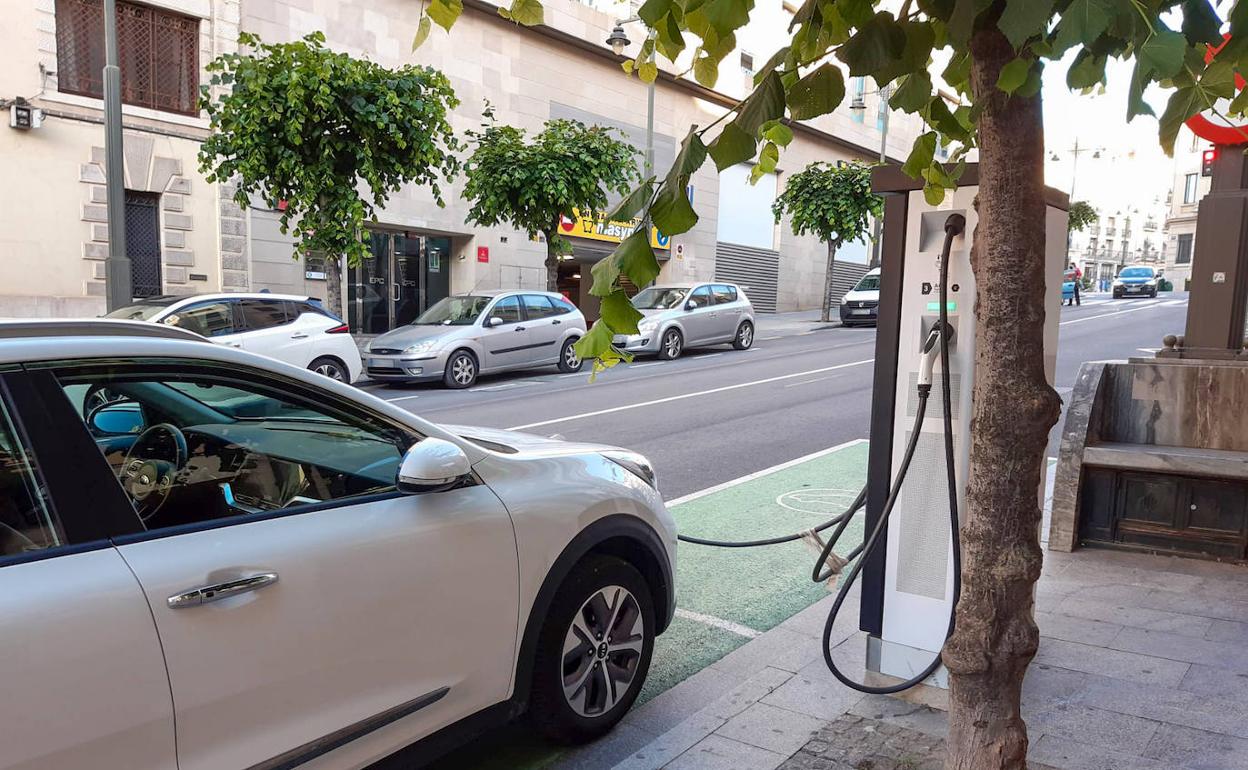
<point>935,307</point>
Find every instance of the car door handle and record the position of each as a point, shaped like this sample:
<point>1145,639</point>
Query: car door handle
<point>299,336</point>
<point>218,591</point>
<point>519,328</point>
<point>234,344</point>
<point>556,322</point>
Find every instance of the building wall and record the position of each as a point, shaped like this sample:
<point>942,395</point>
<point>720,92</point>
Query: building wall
<point>1181,217</point>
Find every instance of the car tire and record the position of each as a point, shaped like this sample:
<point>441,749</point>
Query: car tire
<point>576,696</point>
<point>461,370</point>
<point>1153,294</point>
<point>671,344</point>
<point>332,368</point>
<point>745,336</point>
<point>569,361</point>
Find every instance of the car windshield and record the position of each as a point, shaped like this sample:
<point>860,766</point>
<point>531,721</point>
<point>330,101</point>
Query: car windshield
<point>659,298</point>
<point>143,311</point>
<point>453,311</point>
<point>241,404</point>
<point>868,283</point>
<point>1136,272</point>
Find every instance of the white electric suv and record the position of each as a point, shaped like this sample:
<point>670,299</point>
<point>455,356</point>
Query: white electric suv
<point>291,328</point>
<point>213,560</point>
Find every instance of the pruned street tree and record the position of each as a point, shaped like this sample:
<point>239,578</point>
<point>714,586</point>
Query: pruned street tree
<point>325,139</point>
<point>834,202</point>
<point>1081,216</point>
<point>531,185</point>
<point>993,54</point>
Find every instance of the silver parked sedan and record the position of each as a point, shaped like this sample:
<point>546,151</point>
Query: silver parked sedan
<point>693,315</point>
<point>466,335</point>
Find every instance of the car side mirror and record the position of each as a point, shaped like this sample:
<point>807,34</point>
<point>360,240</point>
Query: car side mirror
<point>430,464</point>
<point>117,418</point>
<point>691,305</point>
<point>494,321</point>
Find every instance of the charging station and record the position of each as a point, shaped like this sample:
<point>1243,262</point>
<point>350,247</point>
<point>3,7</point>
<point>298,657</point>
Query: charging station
<point>908,584</point>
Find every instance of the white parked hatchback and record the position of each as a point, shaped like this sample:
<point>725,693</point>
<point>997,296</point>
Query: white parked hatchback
<point>291,328</point>
<point>211,560</point>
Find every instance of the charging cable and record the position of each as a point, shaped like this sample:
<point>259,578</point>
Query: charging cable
<point>937,342</point>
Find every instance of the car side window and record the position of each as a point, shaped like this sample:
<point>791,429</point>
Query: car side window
<point>701,296</point>
<point>26,520</point>
<point>538,306</point>
<point>194,447</point>
<point>263,313</point>
<point>211,319</point>
<point>508,309</point>
<point>724,294</point>
<point>563,305</point>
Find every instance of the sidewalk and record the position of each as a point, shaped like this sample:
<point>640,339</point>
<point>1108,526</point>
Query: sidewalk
<point>795,322</point>
<point>1142,666</point>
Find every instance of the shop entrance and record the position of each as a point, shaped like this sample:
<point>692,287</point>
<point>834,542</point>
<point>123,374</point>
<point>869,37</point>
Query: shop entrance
<point>401,277</point>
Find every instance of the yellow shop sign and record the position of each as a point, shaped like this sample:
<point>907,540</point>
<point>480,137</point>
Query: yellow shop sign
<point>599,229</point>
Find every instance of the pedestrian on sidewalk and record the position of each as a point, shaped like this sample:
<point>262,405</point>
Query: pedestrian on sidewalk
<point>1074,275</point>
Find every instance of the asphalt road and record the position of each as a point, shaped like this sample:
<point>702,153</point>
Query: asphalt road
<point>718,414</point>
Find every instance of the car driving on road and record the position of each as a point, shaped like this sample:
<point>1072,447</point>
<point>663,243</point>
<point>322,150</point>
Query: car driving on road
<point>466,335</point>
<point>677,317</point>
<point>211,560</point>
<point>1138,281</point>
<point>291,328</point>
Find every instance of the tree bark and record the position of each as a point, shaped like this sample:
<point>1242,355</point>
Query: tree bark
<point>827,281</point>
<point>552,260</point>
<point>333,285</point>
<point>1014,408</point>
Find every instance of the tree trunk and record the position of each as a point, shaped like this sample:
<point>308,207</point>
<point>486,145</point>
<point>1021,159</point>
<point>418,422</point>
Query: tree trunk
<point>333,286</point>
<point>1014,408</point>
<point>552,260</point>
<point>827,281</point>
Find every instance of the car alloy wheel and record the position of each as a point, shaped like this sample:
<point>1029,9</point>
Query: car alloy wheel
<point>329,368</point>
<point>463,370</point>
<point>602,650</point>
<point>745,336</point>
<point>671,345</point>
<point>569,360</point>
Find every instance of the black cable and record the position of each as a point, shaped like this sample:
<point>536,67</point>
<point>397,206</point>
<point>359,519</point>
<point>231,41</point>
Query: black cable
<point>842,519</point>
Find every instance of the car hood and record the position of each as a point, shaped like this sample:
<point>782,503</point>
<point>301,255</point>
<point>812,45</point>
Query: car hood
<point>515,442</point>
<point>653,312</point>
<point>1136,279</point>
<point>866,295</point>
<point>410,335</point>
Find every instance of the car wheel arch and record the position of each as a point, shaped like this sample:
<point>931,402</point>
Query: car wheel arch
<point>621,535</point>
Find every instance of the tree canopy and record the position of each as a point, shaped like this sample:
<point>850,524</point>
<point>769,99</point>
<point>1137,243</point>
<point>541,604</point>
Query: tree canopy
<point>1081,215</point>
<point>325,138</point>
<point>832,201</point>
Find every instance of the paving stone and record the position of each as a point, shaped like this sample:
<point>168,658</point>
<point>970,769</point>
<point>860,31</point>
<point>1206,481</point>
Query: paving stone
<point>1044,685</point>
<point>1216,682</point>
<point>716,752</point>
<point>751,691</point>
<point>1227,631</point>
<point>815,692</point>
<point>1168,704</point>
<point>1196,604</point>
<point>613,747</point>
<point>1113,663</point>
<point>1100,727</point>
<point>1075,755</point>
<point>670,708</point>
<point>672,743</point>
<point>1227,655</point>
<point>923,719</point>
<point>771,728</point>
<point>1072,629</point>
<point>778,648</point>
<point>1197,749</point>
<point>1137,617</point>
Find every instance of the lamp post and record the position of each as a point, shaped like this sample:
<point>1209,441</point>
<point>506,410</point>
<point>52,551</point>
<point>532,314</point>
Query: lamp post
<point>858,105</point>
<point>118,292</point>
<point>1075,152</point>
<point>618,41</point>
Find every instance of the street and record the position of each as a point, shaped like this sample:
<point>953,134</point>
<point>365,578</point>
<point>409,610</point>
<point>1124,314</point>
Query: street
<point>800,400</point>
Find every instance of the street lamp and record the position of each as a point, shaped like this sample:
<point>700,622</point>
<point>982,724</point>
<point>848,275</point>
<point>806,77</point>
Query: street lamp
<point>859,105</point>
<point>618,41</point>
<point>117,289</point>
<point>1075,152</point>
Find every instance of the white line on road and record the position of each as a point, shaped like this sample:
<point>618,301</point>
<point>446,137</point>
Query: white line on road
<point>763,472</point>
<point>711,620</point>
<point>668,399</point>
<point>652,363</point>
<point>807,382</point>
<point>405,398</point>
<point>1145,306</point>
<point>1173,303</point>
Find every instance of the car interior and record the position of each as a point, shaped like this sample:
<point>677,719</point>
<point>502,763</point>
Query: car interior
<point>188,450</point>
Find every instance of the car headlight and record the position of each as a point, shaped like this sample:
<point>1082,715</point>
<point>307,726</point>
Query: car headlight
<point>634,463</point>
<point>421,347</point>
<point>645,327</point>
<point>1117,282</point>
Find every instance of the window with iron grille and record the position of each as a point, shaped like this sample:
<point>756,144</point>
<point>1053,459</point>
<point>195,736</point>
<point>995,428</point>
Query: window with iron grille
<point>159,52</point>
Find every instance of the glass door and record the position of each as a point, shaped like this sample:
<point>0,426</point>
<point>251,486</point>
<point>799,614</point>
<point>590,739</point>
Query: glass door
<point>403,274</point>
<point>368,294</point>
<point>407,290</point>
<point>437,272</point>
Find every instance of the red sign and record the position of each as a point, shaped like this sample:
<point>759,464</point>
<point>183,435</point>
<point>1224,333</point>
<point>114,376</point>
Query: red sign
<point>483,253</point>
<point>1213,127</point>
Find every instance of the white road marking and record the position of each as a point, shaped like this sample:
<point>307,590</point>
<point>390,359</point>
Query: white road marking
<point>401,398</point>
<point>806,382</point>
<point>708,355</point>
<point>643,366</point>
<point>695,394</point>
<point>711,620</point>
<point>1174,303</point>
<point>1132,309</point>
<point>504,386</point>
<point>763,472</point>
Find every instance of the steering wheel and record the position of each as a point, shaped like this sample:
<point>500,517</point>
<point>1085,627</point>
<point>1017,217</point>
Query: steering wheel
<point>148,470</point>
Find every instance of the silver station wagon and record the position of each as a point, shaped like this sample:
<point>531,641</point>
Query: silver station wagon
<point>467,335</point>
<point>690,315</point>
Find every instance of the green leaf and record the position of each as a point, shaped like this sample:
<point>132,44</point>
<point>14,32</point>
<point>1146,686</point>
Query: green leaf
<point>648,71</point>
<point>914,94</point>
<point>1014,75</point>
<point>1184,103</point>
<point>1201,23</point>
<point>606,272</point>
<point>768,158</point>
<point>527,13</point>
<point>706,71</point>
<point>596,344</point>
<point>921,155</point>
<point>1025,19</point>
<point>934,194</point>
<point>856,12</point>
<point>1239,104</point>
<point>632,205</point>
<point>445,12</point>
<point>1135,94</point>
<point>691,157</point>
<point>1163,53</point>
<point>725,16</point>
<point>764,104</point>
<point>1083,22</point>
<point>638,262</point>
<point>818,93</point>
<point>653,10</point>
<point>732,146</point>
<point>422,32</point>
<point>618,313</point>
<point>778,133</point>
<point>1087,71</point>
<point>671,211</point>
<point>962,20</point>
<point>877,43</point>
